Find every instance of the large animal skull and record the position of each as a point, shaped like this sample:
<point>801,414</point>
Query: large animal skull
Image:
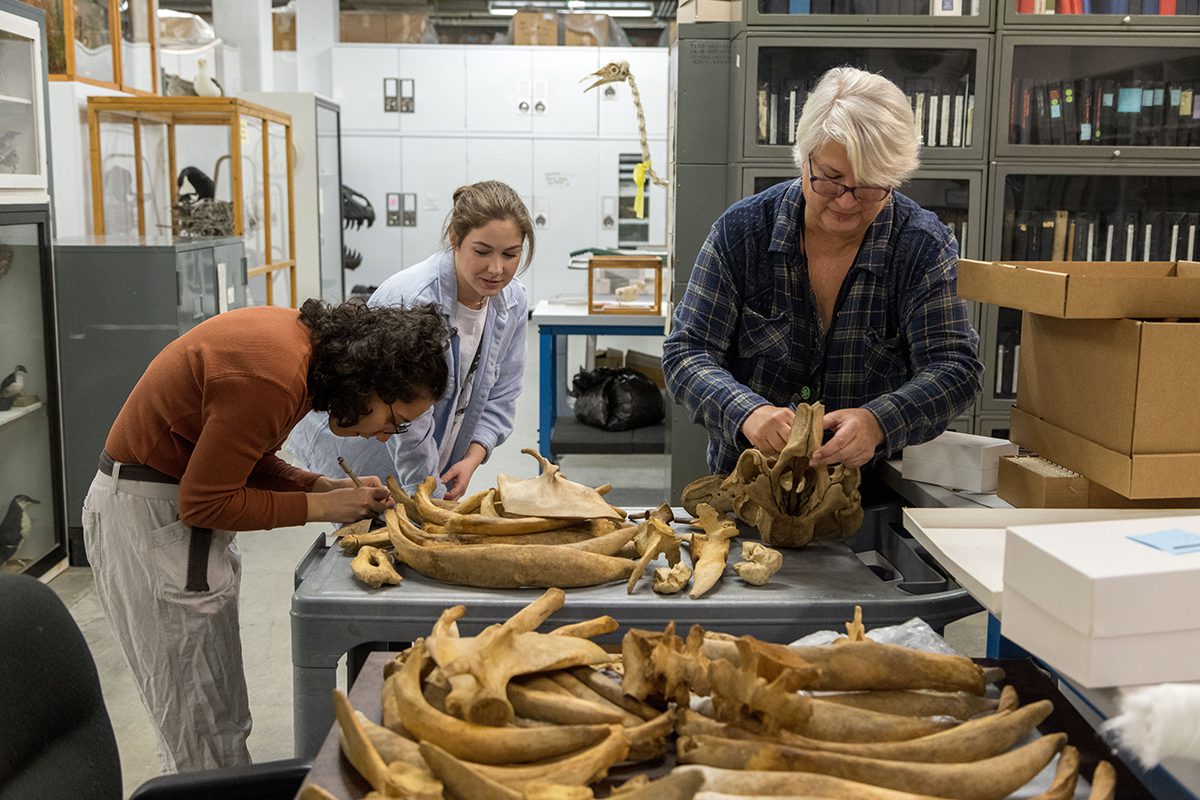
<point>788,501</point>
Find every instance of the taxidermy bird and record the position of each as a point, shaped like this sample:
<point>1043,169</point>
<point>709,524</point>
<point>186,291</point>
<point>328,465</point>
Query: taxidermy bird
<point>175,86</point>
<point>617,72</point>
<point>13,383</point>
<point>15,526</point>
<point>204,84</point>
<point>356,209</point>
<point>194,185</point>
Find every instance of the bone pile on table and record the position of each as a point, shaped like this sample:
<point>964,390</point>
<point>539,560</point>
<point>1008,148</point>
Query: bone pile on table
<point>543,532</point>
<point>513,714</point>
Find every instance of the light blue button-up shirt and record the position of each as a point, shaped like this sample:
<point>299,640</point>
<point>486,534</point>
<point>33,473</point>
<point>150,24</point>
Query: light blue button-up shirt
<point>412,456</point>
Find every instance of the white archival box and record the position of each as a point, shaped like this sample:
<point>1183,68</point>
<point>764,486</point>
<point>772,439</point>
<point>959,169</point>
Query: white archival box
<point>957,461</point>
<point>1101,608</point>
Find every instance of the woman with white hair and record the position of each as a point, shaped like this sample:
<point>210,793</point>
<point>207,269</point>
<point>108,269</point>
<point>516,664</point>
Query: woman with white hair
<point>833,288</point>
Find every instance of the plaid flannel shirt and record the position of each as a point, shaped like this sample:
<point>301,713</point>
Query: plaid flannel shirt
<point>747,332</point>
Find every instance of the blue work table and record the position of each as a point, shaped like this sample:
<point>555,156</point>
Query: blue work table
<point>557,321</point>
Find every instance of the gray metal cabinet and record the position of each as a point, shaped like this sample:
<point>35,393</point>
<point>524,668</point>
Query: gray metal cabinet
<point>120,301</point>
<point>944,15</point>
<point>1110,15</point>
<point>947,78</point>
<point>1098,97</point>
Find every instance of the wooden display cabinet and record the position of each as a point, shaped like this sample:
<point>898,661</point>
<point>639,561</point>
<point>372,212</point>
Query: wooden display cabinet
<point>625,285</point>
<point>80,36</point>
<point>271,245</point>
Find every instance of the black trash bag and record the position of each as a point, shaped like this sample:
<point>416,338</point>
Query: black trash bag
<point>616,399</point>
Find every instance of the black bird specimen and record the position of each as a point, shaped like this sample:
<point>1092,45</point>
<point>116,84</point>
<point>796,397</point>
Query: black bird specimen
<point>194,185</point>
<point>15,526</point>
<point>14,382</point>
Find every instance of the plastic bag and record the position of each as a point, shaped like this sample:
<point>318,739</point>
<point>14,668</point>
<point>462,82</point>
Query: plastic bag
<point>915,633</point>
<point>616,399</point>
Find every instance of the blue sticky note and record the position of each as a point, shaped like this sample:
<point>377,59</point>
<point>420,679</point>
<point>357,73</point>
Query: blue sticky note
<point>1174,541</point>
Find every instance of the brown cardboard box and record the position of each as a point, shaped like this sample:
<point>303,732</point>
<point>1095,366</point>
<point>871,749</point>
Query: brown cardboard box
<point>535,28</point>
<point>1133,476</point>
<point>1107,397</point>
<point>283,28</point>
<point>648,365</point>
<point>361,26</point>
<point>1113,400</point>
<point>383,27</point>
<point>585,30</point>
<point>1034,482</point>
<point>1094,290</point>
<point>407,28</point>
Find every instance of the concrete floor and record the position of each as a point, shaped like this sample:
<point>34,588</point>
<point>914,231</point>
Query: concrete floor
<point>269,558</point>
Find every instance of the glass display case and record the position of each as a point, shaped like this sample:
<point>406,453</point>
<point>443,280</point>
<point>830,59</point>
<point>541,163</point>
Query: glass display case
<point>1124,14</point>
<point>200,167</point>
<point>943,84</point>
<point>953,194</point>
<point>80,36</point>
<point>625,285</point>
<point>892,13</point>
<point>23,172</point>
<point>32,525</point>
<point>1099,97</point>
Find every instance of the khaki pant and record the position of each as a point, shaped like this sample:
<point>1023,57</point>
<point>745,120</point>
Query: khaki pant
<point>184,647</point>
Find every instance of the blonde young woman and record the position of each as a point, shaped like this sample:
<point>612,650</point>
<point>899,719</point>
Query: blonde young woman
<point>489,238</point>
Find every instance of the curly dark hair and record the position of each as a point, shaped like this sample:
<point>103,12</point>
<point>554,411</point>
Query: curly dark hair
<point>396,353</point>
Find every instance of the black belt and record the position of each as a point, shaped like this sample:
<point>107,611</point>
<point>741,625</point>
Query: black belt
<point>201,538</point>
<point>135,472</point>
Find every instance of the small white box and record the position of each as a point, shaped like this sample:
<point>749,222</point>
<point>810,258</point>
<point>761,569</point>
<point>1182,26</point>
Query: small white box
<point>957,461</point>
<point>1100,608</point>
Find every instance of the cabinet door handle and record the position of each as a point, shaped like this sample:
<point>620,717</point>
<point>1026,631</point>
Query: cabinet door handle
<point>540,107</point>
<point>523,106</point>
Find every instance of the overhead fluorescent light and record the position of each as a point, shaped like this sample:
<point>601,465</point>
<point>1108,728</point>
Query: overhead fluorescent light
<point>614,8</point>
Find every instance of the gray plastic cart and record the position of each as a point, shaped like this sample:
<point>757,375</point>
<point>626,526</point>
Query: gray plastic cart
<point>883,570</point>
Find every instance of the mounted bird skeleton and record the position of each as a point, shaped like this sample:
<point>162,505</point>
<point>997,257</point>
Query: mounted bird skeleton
<point>617,72</point>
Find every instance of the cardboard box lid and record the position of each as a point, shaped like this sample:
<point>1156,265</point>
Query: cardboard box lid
<point>1138,477</point>
<point>961,450</point>
<point>1095,579</point>
<point>1079,290</point>
<point>969,542</point>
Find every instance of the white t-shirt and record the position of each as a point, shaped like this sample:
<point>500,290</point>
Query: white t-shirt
<point>469,322</point>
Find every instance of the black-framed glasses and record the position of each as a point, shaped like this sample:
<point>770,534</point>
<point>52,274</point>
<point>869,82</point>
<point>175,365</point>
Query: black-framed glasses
<point>397,427</point>
<point>827,187</point>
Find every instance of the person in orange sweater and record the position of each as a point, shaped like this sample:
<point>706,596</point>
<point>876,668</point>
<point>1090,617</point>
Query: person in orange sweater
<point>191,459</point>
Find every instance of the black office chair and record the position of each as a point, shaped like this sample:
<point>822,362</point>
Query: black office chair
<point>57,740</point>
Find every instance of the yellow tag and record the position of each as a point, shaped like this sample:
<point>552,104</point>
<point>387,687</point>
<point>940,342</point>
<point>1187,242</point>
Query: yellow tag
<point>639,180</point>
